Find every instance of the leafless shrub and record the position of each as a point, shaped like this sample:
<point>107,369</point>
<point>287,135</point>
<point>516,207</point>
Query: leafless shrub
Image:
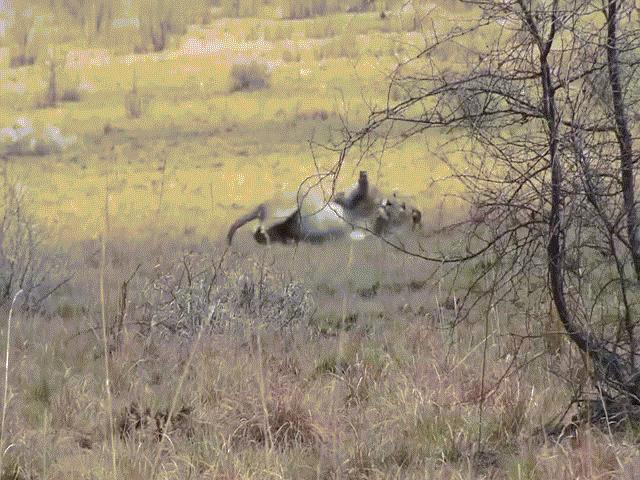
<point>55,93</point>
<point>71,91</point>
<point>23,32</point>
<point>313,115</point>
<point>159,20</point>
<point>194,293</point>
<point>24,263</point>
<point>135,104</point>
<point>249,76</point>
<point>291,56</point>
<point>21,60</point>
<point>343,46</point>
<point>545,152</point>
<point>70,94</point>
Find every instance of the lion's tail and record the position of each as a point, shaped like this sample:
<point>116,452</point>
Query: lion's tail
<point>259,212</point>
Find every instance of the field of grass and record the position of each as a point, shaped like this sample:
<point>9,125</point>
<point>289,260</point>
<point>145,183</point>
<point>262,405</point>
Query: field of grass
<point>198,153</point>
<point>309,362</point>
<point>306,370</point>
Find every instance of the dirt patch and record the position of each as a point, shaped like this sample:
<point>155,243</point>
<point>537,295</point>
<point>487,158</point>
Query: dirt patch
<point>212,45</point>
<point>93,57</point>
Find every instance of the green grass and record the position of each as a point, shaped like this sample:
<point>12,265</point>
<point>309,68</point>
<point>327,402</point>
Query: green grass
<point>222,152</point>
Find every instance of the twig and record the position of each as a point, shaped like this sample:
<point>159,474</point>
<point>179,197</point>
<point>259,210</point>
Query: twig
<point>123,306</point>
<point>6,382</point>
<point>174,401</point>
<point>54,289</point>
<point>482,378</point>
<point>103,315</point>
<point>163,169</point>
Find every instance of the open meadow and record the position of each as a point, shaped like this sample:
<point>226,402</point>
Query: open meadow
<point>199,152</point>
<point>137,344</point>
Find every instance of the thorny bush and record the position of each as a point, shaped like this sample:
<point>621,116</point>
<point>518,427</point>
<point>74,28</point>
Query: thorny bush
<point>24,262</point>
<point>197,291</point>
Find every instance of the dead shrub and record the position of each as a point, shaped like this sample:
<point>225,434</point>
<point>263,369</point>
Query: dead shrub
<point>71,92</point>
<point>143,423</point>
<point>288,424</point>
<point>249,76</point>
<point>135,104</point>
<point>194,292</point>
<point>22,60</point>
<point>24,264</point>
<point>289,56</point>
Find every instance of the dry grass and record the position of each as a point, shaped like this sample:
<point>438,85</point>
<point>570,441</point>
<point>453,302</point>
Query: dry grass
<point>378,391</point>
<point>300,363</point>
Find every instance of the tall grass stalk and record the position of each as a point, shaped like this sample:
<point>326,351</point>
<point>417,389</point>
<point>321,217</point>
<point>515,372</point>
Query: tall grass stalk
<point>5,394</point>
<point>340,351</point>
<point>344,294</point>
<point>174,402</point>
<point>262,384</point>
<point>163,170</point>
<point>482,378</point>
<point>498,337</point>
<point>609,432</point>
<point>103,315</point>
<point>45,462</point>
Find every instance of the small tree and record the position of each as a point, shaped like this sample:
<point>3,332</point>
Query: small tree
<point>24,265</point>
<point>159,19</point>
<point>134,102</point>
<point>241,8</point>
<point>543,116</point>
<point>93,17</point>
<point>52,88</point>
<point>22,31</point>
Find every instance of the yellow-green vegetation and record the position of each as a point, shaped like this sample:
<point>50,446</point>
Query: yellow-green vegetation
<point>198,150</point>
